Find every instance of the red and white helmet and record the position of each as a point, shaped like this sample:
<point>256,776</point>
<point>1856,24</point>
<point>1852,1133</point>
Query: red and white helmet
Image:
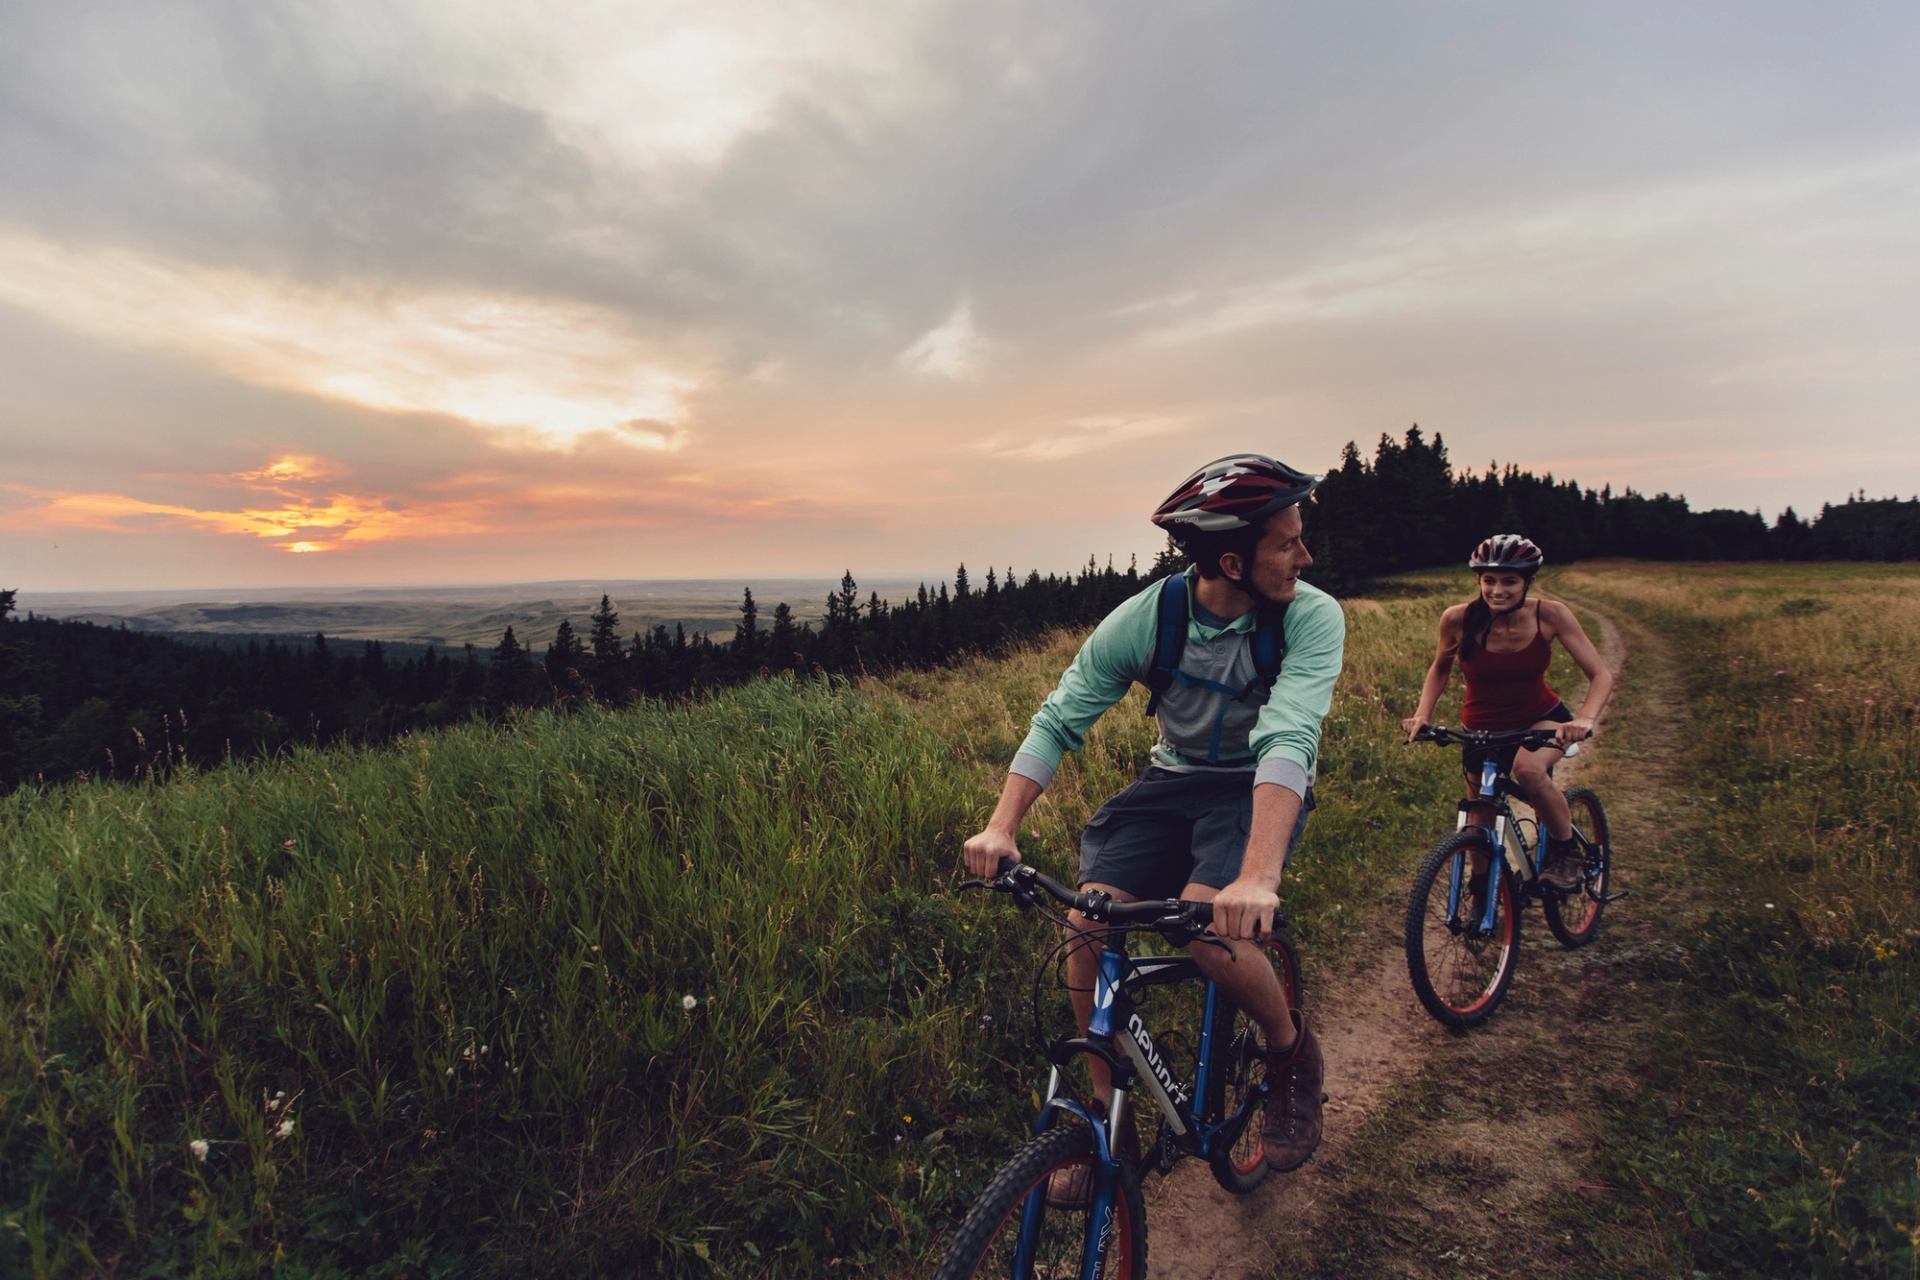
<point>1507,551</point>
<point>1231,493</point>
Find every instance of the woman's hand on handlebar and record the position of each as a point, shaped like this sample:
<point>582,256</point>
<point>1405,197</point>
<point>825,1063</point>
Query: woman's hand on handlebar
<point>985,852</point>
<point>1413,725</point>
<point>1578,729</point>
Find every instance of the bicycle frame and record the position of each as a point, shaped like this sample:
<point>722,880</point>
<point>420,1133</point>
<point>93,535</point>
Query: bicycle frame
<point>1139,1063</point>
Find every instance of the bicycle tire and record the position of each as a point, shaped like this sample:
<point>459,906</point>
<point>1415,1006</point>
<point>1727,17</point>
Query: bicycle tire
<point>1239,1064</point>
<point>1460,977</point>
<point>988,1238</point>
<point>1574,917</point>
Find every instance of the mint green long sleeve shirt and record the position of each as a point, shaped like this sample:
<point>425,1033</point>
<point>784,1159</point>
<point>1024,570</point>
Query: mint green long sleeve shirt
<point>1279,740</point>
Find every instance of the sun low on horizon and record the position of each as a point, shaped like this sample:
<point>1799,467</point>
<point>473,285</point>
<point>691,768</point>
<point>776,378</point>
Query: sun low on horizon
<point>459,293</point>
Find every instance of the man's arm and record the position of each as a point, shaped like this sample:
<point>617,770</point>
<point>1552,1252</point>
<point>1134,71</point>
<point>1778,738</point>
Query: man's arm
<point>1245,908</point>
<point>1286,739</point>
<point>1099,676</point>
<point>984,851</point>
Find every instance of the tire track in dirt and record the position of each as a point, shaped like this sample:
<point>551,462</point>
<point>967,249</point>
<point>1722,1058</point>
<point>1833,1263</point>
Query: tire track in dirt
<point>1377,1041</point>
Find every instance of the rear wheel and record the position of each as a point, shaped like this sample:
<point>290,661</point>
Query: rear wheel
<point>1460,970</point>
<point>1238,1070</point>
<point>989,1241</point>
<point>1575,916</point>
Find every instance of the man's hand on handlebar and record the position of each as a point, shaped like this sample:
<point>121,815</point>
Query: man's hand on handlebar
<point>1244,911</point>
<point>984,852</point>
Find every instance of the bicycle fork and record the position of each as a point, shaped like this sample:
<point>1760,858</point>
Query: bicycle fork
<point>1104,1193</point>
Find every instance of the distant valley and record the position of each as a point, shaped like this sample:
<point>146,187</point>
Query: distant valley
<point>450,616</point>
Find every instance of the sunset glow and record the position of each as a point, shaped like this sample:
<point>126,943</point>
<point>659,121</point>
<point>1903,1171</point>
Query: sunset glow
<point>745,290</point>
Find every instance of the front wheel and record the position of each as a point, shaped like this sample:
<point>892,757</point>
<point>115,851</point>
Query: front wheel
<point>1012,1230</point>
<point>1575,916</point>
<point>1460,969</point>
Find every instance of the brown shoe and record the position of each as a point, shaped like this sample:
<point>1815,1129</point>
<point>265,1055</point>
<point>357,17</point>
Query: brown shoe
<point>1565,865</point>
<point>1291,1129</point>
<point>1070,1186</point>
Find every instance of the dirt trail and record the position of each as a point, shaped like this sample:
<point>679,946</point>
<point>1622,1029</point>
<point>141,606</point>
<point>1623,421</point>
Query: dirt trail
<point>1392,1070</point>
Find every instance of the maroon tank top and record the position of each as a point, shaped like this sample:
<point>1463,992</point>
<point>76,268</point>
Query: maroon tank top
<point>1507,690</point>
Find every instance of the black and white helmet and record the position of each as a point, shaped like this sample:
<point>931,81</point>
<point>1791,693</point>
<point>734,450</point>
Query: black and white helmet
<point>1507,551</point>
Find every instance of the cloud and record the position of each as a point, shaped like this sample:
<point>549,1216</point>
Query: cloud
<point>951,349</point>
<point>543,371</point>
<point>1078,436</point>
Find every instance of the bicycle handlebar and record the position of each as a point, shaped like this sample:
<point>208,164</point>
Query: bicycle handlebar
<point>1529,738</point>
<point>1025,883</point>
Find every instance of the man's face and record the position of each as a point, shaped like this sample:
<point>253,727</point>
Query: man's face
<point>1278,558</point>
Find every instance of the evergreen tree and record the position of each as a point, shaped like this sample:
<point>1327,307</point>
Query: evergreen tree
<point>607,663</point>
<point>509,675</point>
<point>783,642</point>
<point>746,636</point>
<point>563,661</point>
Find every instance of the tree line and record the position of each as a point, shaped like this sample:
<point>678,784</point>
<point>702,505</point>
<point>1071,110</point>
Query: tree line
<point>82,700</point>
<point>78,699</point>
<point>1408,508</point>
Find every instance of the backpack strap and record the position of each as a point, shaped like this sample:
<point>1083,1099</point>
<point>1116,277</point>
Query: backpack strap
<point>1169,638</point>
<point>1269,648</point>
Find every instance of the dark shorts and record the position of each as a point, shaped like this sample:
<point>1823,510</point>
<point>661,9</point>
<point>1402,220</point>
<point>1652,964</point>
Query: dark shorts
<point>1172,829</point>
<point>1473,757</point>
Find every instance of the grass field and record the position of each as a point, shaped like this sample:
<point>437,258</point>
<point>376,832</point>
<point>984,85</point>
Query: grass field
<point>1777,1132</point>
<point>685,989</point>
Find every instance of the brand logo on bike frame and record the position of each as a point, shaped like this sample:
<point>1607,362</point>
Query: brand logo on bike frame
<point>1138,1030</point>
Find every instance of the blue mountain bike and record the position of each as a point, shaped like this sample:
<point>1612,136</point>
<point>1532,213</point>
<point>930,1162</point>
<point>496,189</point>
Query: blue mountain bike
<point>1017,1228</point>
<point>1463,915</point>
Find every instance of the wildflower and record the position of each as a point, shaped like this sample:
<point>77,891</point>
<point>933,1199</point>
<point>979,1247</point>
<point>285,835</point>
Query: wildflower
<point>449,1070</point>
<point>1769,906</point>
<point>907,1118</point>
<point>1780,672</point>
<point>689,1003</point>
<point>1868,701</point>
<point>1799,699</point>
<point>199,1147</point>
<point>286,1128</point>
<point>899,1137</point>
<point>288,843</point>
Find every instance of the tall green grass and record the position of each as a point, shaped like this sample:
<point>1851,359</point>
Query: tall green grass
<point>1779,1135</point>
<point>677,990</point>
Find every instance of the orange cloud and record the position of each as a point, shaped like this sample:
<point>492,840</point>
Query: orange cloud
<point>300,526</point>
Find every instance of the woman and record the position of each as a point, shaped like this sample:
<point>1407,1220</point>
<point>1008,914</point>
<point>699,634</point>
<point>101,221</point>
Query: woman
<point>1504,642</point>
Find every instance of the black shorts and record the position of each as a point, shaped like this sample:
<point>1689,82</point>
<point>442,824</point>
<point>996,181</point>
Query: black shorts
<point>1171,829</point>
<point>1474,757</point>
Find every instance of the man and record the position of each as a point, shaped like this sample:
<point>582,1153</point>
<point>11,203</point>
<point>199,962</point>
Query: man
<point>1226,795</point>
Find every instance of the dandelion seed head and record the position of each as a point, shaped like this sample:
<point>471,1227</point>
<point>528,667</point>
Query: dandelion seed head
<point>199,1147</point>
<point>689,1003</point>
<point>286,1128</point>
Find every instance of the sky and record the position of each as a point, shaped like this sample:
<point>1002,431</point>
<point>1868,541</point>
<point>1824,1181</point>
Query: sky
<point>448,291</point>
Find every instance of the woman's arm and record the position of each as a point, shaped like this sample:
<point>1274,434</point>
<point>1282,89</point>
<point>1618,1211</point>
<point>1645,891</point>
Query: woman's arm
<point>1439,673</point>
<point>1567,629</point>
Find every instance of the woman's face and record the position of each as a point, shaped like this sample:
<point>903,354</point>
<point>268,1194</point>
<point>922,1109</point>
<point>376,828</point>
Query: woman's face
<point>1502,589</point>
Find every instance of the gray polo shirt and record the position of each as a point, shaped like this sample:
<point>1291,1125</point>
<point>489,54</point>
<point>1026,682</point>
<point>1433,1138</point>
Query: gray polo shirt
<point>1277,736</point>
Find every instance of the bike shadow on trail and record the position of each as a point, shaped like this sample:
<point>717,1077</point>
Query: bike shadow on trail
<point>1442,1150</point>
